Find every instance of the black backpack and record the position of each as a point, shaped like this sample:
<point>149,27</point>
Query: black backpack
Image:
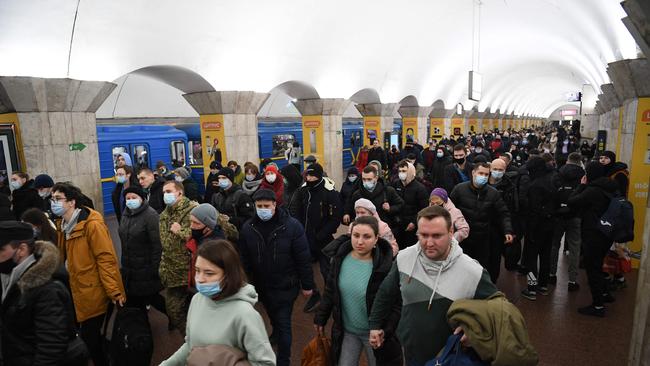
<point>131,342</point>
<point>617,223</point>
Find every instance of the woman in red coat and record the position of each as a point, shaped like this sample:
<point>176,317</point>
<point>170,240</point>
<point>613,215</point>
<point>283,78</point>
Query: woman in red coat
<point>274,181</point>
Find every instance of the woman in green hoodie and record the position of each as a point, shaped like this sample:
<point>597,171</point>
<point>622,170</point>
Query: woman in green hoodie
<point>221,312</point>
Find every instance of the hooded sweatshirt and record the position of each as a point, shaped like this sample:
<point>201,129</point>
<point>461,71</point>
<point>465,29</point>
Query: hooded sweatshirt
<point>427,289</point>
<point>458,222</point>
<point>232,322</point>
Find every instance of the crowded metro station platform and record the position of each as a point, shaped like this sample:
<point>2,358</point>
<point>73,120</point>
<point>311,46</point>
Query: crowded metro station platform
<point>279,183</point>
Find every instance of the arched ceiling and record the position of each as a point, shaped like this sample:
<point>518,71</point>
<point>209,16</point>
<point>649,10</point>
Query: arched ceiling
<point>531,52</point>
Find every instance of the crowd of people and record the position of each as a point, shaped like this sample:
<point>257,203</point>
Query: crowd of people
<point>428,227</point>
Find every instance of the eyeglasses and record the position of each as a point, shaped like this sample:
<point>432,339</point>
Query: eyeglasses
<point>57,199</point>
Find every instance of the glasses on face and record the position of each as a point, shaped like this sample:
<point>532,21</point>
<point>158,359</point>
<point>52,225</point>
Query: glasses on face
<point>57,199</point>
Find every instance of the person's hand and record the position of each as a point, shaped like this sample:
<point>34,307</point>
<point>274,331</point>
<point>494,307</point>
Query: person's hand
<point>376,338</point>
<point>463,340</point>
<point>386,206</point>
<point>410,227</point>
<point>320,330</point>
<point>175,228</point>
<point>307,293</point>
<point>346,219</point>
<point>509,238</point>
<point>583,180</point>
<point>119,300</point>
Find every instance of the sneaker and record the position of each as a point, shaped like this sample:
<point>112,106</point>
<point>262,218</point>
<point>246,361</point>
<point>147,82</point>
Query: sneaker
<point>552,280</point>
<point>312,303</point>
<point>591,310</point>
<point>528,294</point>
<point>573,286</point>
<point>608,298</point>
<point>542,290</point>
<point>616,284</point>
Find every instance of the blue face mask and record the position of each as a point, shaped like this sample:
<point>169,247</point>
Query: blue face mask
<point>133,204</point>
<point>480,180</point>
<point>57,208</point>
<point>169,198</point>
<point>370,185</point>
<point>14,184</point>
<point>121,179</point>
<point>264,214</point>
<point>209,289</point>
<point>224,183</point>
<point>496,174</point>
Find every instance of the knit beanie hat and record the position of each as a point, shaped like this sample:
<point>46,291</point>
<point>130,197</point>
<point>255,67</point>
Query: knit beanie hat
<point>228,173</point>
<point>43,181</point>
<point>264,194</point>
<point>137,190</point>
<point>182,172</point>
<point>610,154</point>
<point>367,204</point>
<point>271,168</point>
<point>315,170</point>
<point>440,192</point>
<point>206,213</point>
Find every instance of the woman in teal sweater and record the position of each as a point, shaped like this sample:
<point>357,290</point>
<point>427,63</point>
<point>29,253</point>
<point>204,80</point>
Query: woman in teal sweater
<point>360,262</point>
<point>222,312</point>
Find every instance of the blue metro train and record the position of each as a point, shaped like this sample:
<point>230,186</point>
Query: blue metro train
<point>180,145</point>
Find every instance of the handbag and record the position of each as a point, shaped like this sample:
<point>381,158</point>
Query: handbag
<point>77,353</point>
<point>317,353</point>
<point>454,355</point>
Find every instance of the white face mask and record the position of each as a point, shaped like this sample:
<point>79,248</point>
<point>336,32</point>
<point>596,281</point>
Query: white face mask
<point>402,176</point>
<point>271,178</point>
<point>352,178</point>
<point>250,177</point>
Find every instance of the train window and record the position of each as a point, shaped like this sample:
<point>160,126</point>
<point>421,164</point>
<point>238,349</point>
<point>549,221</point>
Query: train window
<point>178,153</point>
<point>140,156</point>
<point>117,150</point>
<point>280,144</point>
<point>196,152</point>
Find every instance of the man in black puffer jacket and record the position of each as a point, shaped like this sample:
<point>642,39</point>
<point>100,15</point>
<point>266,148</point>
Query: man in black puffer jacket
<point>36,311</point>
<point>481,204</point>
<point>541,194</point>
<point>591,199</point>
<point>415,198</point>
<point>231,200</point>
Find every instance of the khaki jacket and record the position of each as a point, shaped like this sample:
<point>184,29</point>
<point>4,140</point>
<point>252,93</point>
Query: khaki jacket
<point>92,264</point>
<point>175,256</point>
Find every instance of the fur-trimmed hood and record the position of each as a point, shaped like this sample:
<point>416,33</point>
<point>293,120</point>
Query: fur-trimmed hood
<point>39,273</point>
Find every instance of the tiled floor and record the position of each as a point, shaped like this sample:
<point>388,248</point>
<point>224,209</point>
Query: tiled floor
<point>560,335</point>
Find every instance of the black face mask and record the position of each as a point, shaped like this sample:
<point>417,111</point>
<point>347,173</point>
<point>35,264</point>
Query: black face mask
<point>459,161</point>
<point>197,234</point>
<point>7,266</point>
<point>312,184</point>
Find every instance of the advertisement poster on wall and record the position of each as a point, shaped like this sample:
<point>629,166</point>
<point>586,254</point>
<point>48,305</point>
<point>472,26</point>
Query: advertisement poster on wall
<point>457,126</point>
<point>473,125</point>
<point>437,128</point>
<point>409,129</point>
<point>214,141</point>
<point>640,172</point>
<point>312,137</point>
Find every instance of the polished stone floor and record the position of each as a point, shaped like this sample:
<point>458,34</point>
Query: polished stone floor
<point>560,335</point>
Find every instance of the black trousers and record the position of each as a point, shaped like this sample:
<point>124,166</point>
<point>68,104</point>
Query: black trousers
<point>538,247</point>
<point>477,249</point>
<point>595,246</point>
<point>90,332</point>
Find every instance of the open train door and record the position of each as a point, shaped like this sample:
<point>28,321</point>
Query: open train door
<point>9,161</point>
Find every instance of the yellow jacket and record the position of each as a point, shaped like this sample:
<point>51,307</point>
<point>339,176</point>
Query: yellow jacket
<point>496,330</point>
<point>92,265</point>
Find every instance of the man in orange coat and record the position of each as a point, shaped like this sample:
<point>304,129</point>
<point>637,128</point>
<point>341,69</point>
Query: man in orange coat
<point>87,251</point>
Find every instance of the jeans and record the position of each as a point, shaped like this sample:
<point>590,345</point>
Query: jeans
<point>90,332</point>
<point>351,349</point>
<point>570,228</point>
<point>279,309</point>
<point>538,245</point>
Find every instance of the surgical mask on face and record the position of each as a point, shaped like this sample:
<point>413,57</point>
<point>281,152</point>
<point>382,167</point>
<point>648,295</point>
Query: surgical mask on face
<point>15,184</point>
<point>496,174</point>
<point>478,150</point>
<point>121,179</point>
<point>169,198</point>
<point>44,194</point>
<point>133,204</point>
<point>224,183</point>
<point>271,178</point>
<point>402,176</point>
<point>480,180</point>
<point>440,154</point>
<point>208,289</point>
<point>250,177</point>
<point>264,214</point>
<point>178,178</point>
<point>57,208</point>
<point>352,178</point>
<point>370,185</point>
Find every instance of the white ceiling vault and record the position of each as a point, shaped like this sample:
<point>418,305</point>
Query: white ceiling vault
<point>530,52</point>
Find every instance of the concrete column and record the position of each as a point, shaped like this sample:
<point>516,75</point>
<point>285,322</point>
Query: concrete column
<point>50,115</point>
<point>231,115</point>
<point>379,115</point>
<point>421,114</point>
<point>589,126</point>
<point>330,113</point>
<point>637,21</point>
